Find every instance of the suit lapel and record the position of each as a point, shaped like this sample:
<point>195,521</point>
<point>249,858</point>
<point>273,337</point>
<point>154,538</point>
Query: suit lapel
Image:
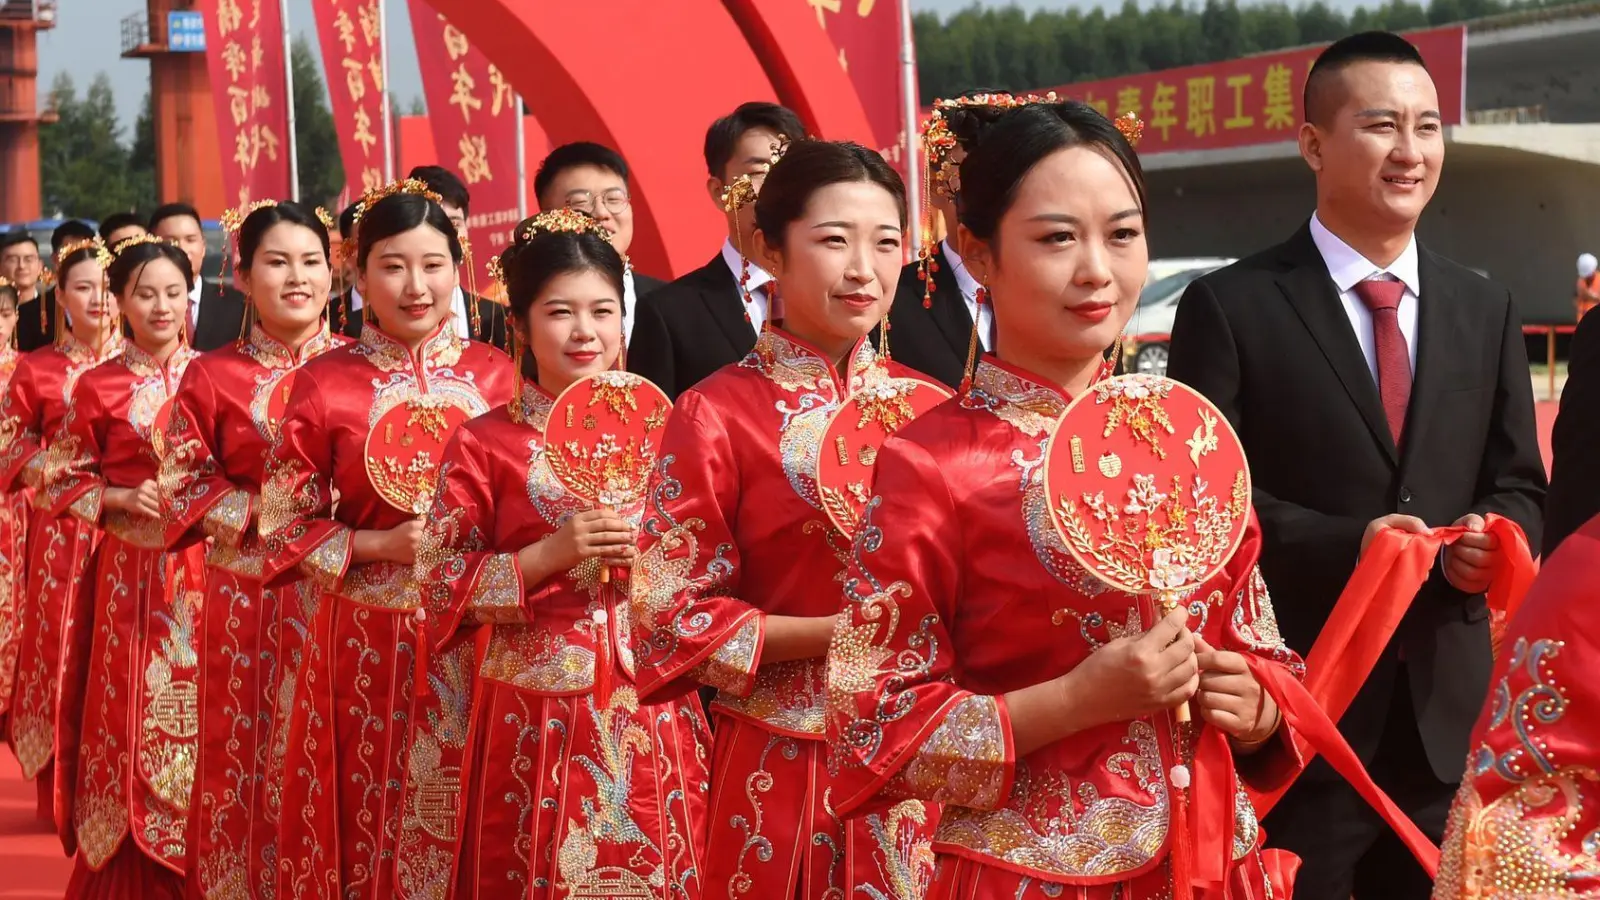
<point>1311,291</point>
<point>1439,328</point>
<point>720,293</point>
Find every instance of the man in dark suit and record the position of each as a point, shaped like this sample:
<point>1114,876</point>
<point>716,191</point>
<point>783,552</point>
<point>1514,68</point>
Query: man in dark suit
<point>699,323</point>
<point>344,308</point>
<point>118,227</point>
<point>593,178</point>
<point>21,265</point>
<point>1374,384</point>
<point>1575,441</point>
<point>490,325</point>
<point>216,311</point>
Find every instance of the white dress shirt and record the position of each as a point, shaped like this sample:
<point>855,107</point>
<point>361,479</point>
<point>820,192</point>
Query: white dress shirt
<point>759,278</point>
<point>982,315</point>
<point>194,308</point>
<point>1348,268</point>
<point>458,309</point>
<point>630,305</point>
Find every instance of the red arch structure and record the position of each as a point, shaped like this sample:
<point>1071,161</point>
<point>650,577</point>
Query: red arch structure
<point>647,76</point>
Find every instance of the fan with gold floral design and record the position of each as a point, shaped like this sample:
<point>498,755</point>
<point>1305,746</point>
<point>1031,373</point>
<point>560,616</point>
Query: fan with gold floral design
<point>855,433</point>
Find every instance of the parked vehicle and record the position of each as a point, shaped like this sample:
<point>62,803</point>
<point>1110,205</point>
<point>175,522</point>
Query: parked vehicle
<point>1150,329</point>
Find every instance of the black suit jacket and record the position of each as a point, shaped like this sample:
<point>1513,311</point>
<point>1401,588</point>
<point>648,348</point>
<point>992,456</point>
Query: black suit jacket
<point>490,329</point>
<point>221,317</point>
<point>1267,339</point>
<point>1575,441</point>
<point>689,328</point>
<point>341,319</point>
<point>932,340</point>
<point>33,330</point>
<point>643,284</point>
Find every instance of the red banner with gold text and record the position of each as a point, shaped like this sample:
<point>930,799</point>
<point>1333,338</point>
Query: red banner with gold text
<point>867,35</point>
<point>474,116</point>
<point>1253,100</point>
<point>244,58</point>
<point>350,33</point>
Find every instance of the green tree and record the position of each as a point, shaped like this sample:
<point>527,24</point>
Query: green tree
<point>315,140</point>
<point>83,162</point>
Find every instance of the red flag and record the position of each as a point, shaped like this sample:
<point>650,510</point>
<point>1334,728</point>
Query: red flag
<point>867,35</point>
<point>474,115</point>
<point>351,35</point>
<point>244,58</point>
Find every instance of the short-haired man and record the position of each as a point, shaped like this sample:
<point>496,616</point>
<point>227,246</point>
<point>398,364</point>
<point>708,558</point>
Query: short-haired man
<point>1375,384</point>
<point>699,323</point>
<point>216,311</point>
<point>490,327</point>
<point>21,264</point>
<point>593,178</point>
<point>118,227</point>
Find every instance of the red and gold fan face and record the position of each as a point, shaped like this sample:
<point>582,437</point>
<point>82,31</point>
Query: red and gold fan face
<point>404,449</point>
<point>854,435</point>
<point>604,434</point>
<point>1148,485</point>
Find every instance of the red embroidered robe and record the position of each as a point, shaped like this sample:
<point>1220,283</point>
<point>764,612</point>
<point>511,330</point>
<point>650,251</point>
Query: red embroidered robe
<point>58,547</point>
<point>344,762</point>
<point>960,591</point>
<point>223,421</point>
<point>734,531</point>
<point>519,777</point>
<point>14,506</point>
<point>1526,820</point>
<point>130,656</point>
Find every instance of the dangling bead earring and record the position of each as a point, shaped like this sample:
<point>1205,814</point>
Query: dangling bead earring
<point>971,368</point>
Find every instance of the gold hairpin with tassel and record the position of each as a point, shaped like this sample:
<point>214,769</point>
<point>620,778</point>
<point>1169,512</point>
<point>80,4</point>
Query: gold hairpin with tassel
<point>736,196</point>
<point>1131,126</point>
<point>556,221</point>
<point>101,254</point>
<point>413,186</point>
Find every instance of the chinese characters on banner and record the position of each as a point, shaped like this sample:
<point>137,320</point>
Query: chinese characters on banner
<point>1254,100</point>
<point>350,32</point>
<point>474,115</point>
<point>244,59</point>
<point>866,33</point>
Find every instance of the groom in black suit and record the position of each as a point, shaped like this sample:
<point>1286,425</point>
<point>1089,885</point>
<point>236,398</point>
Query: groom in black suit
<point>1374,383</point>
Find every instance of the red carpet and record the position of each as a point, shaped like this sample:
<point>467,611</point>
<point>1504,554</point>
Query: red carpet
<point>30,853</point>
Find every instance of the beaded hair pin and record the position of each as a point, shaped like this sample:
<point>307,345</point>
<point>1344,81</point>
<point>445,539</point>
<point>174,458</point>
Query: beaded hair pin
<point>233,219</point>
<point>555,221</point>
<point>127,244</point>
<point>101,254</point>
<point>736,196</point>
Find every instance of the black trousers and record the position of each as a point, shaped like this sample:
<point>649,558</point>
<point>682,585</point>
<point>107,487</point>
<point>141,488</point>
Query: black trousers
<point>1345,848</point>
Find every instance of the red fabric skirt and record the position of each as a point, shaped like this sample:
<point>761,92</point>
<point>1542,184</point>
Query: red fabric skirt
<point>128,875</point>
<point>46,784</point>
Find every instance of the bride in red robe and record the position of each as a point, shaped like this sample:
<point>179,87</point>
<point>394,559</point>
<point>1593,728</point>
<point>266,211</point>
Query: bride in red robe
<point>58,546</point>
<point>13,523</point>
<point>738,577</point>
<point>551,791</point>
<point>223,420</point>
<point>403,382</point>
<point>975,664</point>
<point>130,661</point>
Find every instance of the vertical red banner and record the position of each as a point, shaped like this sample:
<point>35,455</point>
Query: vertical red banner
<point>867,35</point>
<point>474,115</point>
<point>244,58</point>
<point>351,35</point>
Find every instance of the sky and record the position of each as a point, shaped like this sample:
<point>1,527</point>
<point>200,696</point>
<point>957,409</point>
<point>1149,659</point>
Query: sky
<point>88,39</point>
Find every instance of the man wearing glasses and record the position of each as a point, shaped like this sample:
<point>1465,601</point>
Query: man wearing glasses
<point>593,178</point>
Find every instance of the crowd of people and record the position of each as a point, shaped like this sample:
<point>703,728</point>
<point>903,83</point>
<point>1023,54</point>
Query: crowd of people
<point>296,603</point>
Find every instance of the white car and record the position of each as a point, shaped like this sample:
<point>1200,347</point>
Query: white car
<point>1150,329</point>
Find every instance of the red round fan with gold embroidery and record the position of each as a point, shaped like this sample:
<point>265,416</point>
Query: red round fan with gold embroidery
<point>1148,485</point>
<point>405,446</point>
<point>270,409</point>
<point>854,435</point>
<point>604,434</point>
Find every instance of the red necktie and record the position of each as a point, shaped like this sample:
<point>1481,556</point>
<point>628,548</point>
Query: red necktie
<point>1382,298</point>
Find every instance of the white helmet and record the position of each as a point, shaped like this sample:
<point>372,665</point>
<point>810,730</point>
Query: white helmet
<point>1587,265</point>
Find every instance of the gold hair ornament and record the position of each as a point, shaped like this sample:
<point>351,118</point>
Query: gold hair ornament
<point>1131,126</point>
<point>939,171</point>
<point>414,186</point>
<point>736,196</point>
<point>556,221</point>
<point>101,254</point>
<point>127,244</point>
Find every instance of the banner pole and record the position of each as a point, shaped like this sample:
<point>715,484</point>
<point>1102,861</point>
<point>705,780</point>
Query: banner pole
<point>383,97</point>
<point>522,160</point>
<point>908,98</point>
<point>288,86</point>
